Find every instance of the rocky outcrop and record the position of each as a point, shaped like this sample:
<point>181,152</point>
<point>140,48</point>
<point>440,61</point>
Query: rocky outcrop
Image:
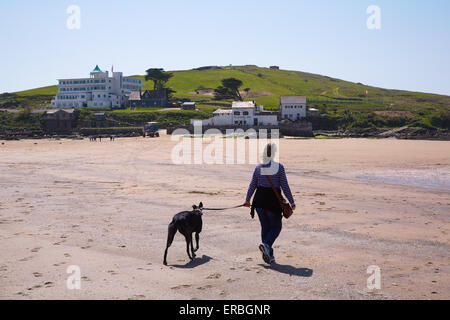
<point>399,133</point>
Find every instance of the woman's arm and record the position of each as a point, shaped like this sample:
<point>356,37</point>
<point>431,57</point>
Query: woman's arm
<point>253,185</point>
<point>285,186</point>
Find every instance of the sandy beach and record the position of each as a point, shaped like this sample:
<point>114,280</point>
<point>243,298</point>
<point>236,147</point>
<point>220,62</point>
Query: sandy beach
<point>105,206</point>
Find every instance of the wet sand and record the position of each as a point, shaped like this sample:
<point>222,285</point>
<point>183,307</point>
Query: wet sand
<point>105,207</point>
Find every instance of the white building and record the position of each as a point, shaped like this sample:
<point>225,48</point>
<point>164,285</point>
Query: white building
<point>222,117</point>
<point>99,90</point>
<point>293,107</point>
<point>242,113</point>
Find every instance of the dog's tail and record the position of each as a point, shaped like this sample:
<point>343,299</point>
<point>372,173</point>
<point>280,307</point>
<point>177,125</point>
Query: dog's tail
<point>171,234</point>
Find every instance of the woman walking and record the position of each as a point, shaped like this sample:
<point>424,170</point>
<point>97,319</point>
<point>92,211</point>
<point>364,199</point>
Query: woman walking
<point>266,202</point>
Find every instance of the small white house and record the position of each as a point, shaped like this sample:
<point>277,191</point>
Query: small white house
<point>293,107</point>
<point>222,117</point>
<point>242,113</point>
<point>266,118</point>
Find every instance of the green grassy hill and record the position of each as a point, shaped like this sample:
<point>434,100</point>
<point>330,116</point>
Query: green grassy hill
<point>334,97</point>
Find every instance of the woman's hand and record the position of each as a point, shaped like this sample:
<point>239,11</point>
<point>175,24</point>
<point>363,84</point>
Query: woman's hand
<point>293,207</point>
<point>247,204</point>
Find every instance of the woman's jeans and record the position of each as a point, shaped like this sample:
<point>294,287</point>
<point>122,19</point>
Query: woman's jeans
<point>270,226</point>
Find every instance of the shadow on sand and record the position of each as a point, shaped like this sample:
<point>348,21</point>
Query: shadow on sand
<point>193,263</point>
<point>290,270</point>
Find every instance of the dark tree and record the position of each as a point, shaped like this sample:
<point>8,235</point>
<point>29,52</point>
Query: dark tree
<point>222,93</point>
<point>159,77</point>
<point>228,90</point>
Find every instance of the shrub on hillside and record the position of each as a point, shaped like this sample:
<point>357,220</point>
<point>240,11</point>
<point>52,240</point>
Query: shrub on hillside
<point>442,120</point>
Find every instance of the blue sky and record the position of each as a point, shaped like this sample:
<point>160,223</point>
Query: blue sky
<point>411,50</point>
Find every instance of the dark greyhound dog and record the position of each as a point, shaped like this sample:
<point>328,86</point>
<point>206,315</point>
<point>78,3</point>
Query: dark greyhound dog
<point>187,222</point>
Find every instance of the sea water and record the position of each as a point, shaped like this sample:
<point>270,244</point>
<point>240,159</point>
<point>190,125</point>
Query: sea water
<point>428,178</point>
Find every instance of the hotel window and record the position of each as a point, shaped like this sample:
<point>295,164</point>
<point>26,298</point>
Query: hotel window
<point>237,113</point>
<point>245,113</point>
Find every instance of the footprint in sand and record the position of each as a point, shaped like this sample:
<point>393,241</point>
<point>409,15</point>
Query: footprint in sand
<point>249,259</point>
<point>37,274</point>
<point>208,286</point>
<point>214,276</point>
<point>183,286</point>
<point>232,280</point>
<point>66,255</point>
<point>36,249</point>
<point>59,264</point>
<point>26,259</point>
<point>112,272</point>
<point>34,287</point>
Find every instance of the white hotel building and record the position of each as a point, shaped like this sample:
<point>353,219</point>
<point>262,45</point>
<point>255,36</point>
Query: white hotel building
<point>99,90</point>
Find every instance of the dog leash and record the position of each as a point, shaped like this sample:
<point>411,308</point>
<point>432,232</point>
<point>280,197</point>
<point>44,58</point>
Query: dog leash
<point>221,209</point>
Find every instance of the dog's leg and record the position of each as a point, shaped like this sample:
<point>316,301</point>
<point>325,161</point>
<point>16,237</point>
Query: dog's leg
<point>197,239</point>
<point>170,236</point>
<point>192,247</point>
<point>188,243</point>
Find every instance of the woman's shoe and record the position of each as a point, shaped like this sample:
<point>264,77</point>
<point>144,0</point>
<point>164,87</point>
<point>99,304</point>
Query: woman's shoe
<point>265,253</point>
